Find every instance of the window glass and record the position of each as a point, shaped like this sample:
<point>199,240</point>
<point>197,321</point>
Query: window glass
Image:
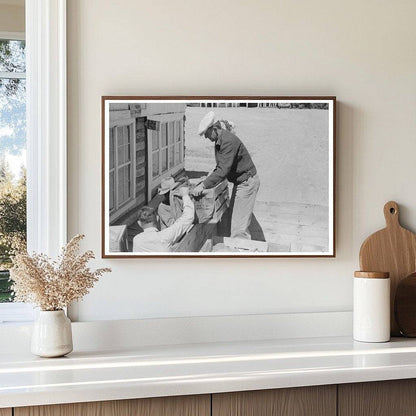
<point>123,145</point>
<point>127,181</point>
<point>112,196</point>
<point>120,187</point>
<point>170,132</point>
<point>164,134</point>
<point>171,156</point>
<point>155,140</point>
<point>120,146</point>
<point>12,156</point>
<point>178,153</point>
<point>178,131</point>
<point>164,160</point>
<point>155,164</point>
<point>12,56</point>
<point>127,143</point>
<point>175,131</point>
<point>111,148</point>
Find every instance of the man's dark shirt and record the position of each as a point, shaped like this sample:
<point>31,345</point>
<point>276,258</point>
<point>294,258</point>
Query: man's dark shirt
<point>233,161</point>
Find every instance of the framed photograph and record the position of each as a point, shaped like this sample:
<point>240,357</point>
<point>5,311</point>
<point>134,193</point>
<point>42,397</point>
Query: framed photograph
<point>218,177</point>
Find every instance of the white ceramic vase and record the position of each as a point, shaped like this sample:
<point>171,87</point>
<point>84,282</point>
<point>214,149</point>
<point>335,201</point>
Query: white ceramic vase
<point>52,334</point>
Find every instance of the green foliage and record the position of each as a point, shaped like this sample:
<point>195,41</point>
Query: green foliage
<point>12,141</point>
<point>5,290</point>
<point>12,56</point>
<point>12,214</point>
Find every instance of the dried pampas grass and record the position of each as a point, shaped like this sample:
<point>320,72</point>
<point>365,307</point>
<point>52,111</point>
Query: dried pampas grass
<point>53,285</point>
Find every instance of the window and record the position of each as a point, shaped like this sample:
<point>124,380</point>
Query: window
<point>45,26</point>
<point>121,165</point>
<point>167,147</point>
<point>12,155</point>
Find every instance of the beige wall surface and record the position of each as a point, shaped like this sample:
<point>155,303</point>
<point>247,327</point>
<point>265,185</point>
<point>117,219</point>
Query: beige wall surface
<point>363,52</point>
<point>12,18</point>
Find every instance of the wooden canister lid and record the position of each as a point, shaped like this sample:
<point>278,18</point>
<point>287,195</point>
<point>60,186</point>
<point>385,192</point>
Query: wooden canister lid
<point>372,275</point>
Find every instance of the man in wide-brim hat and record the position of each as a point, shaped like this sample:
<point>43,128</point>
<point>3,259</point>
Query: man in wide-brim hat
<point>164,211</point>
<point>235,164</point>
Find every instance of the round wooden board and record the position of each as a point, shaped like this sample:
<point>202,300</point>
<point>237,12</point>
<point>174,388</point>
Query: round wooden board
<point>405,306</point>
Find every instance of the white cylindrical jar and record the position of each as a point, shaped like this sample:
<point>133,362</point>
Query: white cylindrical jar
<point>371,314</point>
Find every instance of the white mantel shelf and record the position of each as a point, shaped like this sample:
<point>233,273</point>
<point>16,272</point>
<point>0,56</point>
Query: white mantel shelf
<point>152,371</point>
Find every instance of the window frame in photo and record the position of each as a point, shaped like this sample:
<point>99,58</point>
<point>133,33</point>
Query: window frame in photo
<point>131,125</point>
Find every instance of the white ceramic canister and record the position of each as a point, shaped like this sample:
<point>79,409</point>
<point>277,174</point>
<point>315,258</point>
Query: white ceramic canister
<point>371,313</point>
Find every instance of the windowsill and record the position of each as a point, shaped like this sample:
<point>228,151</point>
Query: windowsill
<point>16,313</point>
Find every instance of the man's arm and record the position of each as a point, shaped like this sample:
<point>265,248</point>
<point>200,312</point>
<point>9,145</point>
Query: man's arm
<point>173,233</point>
<point>226,156</point>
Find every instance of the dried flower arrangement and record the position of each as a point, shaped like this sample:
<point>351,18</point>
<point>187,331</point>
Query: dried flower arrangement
<point>53,285</point>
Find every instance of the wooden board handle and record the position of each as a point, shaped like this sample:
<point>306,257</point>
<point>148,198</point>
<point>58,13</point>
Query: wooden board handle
<point>391,214</point>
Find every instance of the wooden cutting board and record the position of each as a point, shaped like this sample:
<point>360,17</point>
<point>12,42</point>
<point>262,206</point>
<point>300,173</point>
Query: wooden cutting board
<point>405,306</point>
<point>393,250</point>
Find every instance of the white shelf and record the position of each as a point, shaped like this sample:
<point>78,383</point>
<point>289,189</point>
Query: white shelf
<point>150,371</point>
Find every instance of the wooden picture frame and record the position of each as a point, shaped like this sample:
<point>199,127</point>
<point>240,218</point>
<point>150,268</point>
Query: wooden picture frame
<point>149,141</point>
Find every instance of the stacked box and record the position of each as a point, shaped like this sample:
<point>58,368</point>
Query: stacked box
<point>212,204</point>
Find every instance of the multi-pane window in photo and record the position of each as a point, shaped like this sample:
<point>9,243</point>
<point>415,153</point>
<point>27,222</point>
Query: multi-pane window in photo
<point>120,161</point>
<point>167,147</point>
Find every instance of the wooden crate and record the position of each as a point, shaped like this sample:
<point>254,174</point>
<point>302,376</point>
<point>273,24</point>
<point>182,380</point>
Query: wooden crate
<point>118,238</point>
<point>212,203</point>
<point>196,237</point>
<point>241,244</point>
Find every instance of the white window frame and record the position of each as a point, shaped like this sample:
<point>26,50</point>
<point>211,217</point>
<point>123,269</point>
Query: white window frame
<point>46,126</point>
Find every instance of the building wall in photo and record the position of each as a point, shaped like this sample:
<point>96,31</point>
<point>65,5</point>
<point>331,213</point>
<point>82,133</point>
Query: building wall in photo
<point>361,52</point>
<point>146,145</point>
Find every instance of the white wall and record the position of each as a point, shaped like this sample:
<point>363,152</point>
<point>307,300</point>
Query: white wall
<point>361,51</point>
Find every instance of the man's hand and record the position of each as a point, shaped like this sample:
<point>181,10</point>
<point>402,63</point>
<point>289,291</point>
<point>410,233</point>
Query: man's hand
<point>198,190</point>
<point>184,190</point>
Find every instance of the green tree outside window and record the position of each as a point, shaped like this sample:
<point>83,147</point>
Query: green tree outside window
<point>12,145</point>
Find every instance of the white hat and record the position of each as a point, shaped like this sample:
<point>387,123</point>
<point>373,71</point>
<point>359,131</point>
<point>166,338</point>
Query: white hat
<point>166,185</point>
<point>206,123</point>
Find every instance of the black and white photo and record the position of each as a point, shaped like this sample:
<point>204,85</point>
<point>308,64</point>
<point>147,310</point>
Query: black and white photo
<point>218,176</point>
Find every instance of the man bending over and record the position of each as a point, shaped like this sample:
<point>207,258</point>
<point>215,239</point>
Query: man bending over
<point>153,240</point>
